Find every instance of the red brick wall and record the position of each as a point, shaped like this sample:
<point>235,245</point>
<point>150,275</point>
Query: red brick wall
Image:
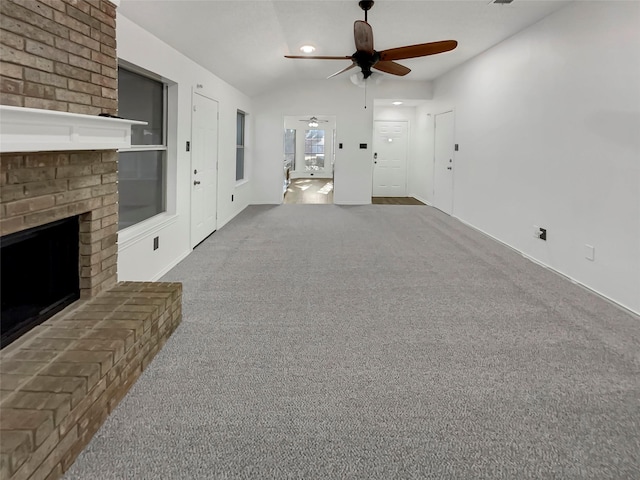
<point>59,55</point>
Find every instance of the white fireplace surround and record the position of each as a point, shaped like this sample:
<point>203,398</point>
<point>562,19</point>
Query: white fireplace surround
<point>36,130</point>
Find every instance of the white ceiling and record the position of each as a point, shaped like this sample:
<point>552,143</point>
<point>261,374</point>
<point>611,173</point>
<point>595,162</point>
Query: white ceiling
<point>244,41</point>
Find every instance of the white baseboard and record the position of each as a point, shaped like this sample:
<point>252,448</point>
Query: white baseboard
<point>551,269</point>
<point>418,197</point>
<point>166,269</point>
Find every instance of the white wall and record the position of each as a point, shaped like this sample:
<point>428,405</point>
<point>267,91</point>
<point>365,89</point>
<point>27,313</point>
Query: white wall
<point>421,166</point>
<point>354,125</point>
<point>548,124</point>
<point>136,258</point>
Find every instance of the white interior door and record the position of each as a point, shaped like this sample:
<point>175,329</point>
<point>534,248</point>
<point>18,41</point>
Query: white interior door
<point>204,168</point>
<point>443,163</point>
<point>390,159</point>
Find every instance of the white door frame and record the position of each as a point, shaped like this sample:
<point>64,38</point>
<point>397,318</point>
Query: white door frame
<point>193,177</point>
<point>452,111</point>
<point>406,157</point>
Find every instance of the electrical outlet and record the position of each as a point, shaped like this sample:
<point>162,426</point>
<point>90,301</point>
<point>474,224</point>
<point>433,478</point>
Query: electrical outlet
<point>539,232</point>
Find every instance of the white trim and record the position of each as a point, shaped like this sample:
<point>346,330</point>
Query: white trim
<point>418,197</point>
<point>551,269</point>
<point>144,148</point>
<point>172,264</point>
<point>35,130</point>
<point>133,234</point>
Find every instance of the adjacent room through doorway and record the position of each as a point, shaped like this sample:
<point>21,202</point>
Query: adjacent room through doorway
<point>309,157</point>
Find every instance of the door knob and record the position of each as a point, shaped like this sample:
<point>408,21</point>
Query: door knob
<point>196,182</point>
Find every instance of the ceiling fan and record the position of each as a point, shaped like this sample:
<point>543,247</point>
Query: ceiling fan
<point>313,122</point>
<point>367,58</point>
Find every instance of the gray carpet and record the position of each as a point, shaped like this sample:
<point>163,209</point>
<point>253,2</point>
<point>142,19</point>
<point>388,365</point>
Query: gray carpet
<point>377,342</point>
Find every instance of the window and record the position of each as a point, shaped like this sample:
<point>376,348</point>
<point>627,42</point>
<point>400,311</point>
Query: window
<point>240,146</point>
<point>290,148</point>
<point>142,168</point>
<point>314,150</point>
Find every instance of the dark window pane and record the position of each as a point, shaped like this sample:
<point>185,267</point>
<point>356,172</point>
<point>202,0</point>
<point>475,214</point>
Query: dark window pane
<point>140,186</point>
<point>140,98</point>
<point>240,129</point>
<point>239,163</point>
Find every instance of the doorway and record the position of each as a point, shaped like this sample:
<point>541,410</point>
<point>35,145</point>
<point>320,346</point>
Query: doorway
<point>443,162</point>
<point>204,168</point>
<point>309,157</point>
<point>390,159</point>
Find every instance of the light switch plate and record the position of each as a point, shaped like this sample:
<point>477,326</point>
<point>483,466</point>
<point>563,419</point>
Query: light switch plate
<point>589,252</point>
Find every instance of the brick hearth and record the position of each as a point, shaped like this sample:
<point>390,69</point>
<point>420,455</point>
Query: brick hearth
<point>62,380</point>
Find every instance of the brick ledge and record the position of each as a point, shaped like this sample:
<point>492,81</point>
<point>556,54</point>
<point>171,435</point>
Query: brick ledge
<point>62,380</point>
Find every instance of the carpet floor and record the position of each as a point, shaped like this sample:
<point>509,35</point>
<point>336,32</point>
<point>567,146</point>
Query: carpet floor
<point>369,342</point>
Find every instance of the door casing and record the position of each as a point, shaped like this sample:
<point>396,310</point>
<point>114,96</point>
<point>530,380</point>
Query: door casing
<point>443,161</point>
<point>390,147</point>
<point>204,167</point>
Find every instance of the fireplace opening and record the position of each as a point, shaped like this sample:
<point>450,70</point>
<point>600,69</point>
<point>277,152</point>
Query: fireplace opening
<point>39,276</point>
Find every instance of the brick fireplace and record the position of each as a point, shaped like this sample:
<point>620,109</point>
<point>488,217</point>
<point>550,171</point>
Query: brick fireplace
<point>61,56</point>
<point>39,188</point>
<point>59,381</point>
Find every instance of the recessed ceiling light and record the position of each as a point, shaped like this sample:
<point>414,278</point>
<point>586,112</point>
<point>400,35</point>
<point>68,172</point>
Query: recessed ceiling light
<point>307,49</point>
<point>397,103</point>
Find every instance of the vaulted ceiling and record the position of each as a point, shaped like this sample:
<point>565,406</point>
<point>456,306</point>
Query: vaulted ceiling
<point>244,42</point>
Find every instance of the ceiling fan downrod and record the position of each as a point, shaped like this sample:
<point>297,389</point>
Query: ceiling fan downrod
<point>366,6</point>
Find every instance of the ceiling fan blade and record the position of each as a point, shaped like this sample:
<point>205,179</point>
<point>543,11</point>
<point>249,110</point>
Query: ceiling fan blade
<point>420,50</point>
<point>343,70</point>
<point>391,67</point>
<point>317,57</point>
<point>363,35</point>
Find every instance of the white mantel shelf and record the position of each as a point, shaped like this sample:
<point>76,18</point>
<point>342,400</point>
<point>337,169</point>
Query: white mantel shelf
<point>35,130</point>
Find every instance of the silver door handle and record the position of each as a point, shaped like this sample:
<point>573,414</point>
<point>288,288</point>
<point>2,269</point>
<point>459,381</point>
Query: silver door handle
<point>196,182</point>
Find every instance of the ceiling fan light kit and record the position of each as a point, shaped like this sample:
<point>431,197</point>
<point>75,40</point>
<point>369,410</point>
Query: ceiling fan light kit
<point>367,58</point>
<point>313,122</point>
